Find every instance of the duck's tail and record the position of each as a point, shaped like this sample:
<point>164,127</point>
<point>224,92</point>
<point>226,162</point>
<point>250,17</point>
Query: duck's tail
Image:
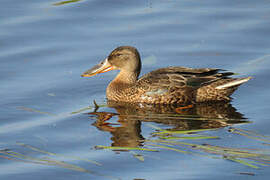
<point>235,82</point>
<point>219,90</point>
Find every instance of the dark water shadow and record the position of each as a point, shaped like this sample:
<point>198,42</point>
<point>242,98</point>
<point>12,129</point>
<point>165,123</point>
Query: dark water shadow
<point>126,131</point>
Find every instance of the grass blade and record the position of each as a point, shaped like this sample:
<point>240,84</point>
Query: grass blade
<point>124,148</point>
<point>65,2</point>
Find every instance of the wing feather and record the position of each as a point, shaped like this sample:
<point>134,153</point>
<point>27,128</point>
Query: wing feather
<point>180,77</point>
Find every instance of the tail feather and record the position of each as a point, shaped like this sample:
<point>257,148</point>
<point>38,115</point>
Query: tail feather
<point>219,90</point>
<point>236,82</point>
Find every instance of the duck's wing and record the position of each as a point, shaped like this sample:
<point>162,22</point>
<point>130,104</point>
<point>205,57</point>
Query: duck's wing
<point>181,77</point>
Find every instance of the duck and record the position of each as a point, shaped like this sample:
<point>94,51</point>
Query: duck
<point>169,85</point>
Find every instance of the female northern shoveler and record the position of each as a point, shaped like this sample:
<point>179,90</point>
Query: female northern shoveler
<point>171,85</point>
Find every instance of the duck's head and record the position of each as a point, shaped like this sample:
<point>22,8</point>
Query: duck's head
<point>123,58</point>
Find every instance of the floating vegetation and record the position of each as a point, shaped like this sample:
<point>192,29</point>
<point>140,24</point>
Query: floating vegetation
<point>49,160</point>
<point>247,173</point>
<point>249,157</point>
<point>35,110</point>
<point>162,131</point>
<point>241,162</point>
<point>169,148</point>
<point>189,137</point>
<point>124,148</point>
<point>11,155</point>
<point>65,2</point>
<point>176,141</point>
<point>252,158</point>
<point>250,134</point>
<point>54,154</point>
<point>51,94</point>
<point>187,140</point>
<point>95,107</point>
<point>192,134</point>
<point>138,156</point>
<point>82,109</point>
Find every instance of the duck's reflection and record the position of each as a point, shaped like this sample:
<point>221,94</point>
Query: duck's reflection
<point>127,131</point>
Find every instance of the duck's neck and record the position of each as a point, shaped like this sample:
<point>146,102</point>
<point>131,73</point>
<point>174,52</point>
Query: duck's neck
<point>126,77</point>
<point>123,82</point>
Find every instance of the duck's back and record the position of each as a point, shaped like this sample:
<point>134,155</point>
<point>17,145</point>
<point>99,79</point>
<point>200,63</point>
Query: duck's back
<point>179,85</point>
<point>186,85</point>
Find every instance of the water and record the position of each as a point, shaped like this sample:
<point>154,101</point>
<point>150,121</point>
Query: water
<point>45,48</point>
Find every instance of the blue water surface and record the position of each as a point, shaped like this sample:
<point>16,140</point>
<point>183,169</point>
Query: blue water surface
<point>45,47</point>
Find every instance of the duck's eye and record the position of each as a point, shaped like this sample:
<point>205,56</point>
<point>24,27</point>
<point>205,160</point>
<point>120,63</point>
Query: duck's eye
<point>114,56</point>
<point>117,55</point>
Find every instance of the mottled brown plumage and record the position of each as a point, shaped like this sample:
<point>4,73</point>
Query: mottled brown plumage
<point>171,85</point>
